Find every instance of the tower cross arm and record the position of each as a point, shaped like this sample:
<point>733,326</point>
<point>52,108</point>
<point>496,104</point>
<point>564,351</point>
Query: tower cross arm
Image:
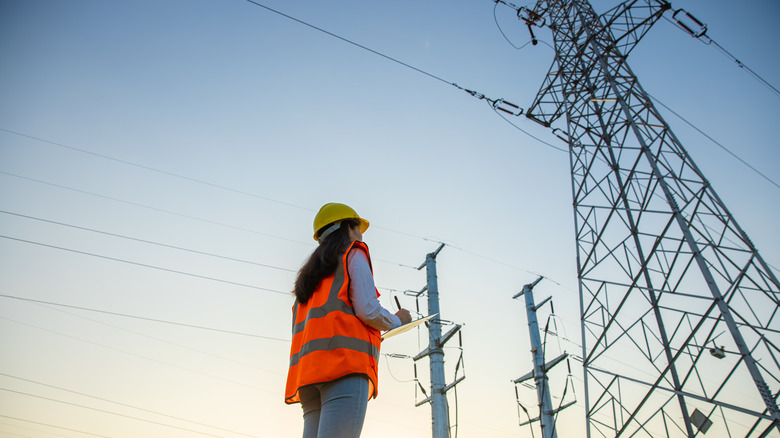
<point>549,104</point>
<point>629,21</point>
<point>626,24</point>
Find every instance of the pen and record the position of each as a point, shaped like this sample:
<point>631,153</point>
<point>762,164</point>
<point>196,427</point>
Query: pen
<point>397,303</point>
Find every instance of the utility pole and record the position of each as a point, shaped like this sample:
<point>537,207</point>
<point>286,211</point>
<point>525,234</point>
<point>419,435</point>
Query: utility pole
<point>438,395</point>
<point>539,373</point>
<point>663,266</point>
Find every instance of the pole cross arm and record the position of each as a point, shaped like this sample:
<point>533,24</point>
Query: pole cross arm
<point>528,287</point>
<point>544,301</point>
<point>564,406</point>
<point>441,342</point>
<point>555,411</point>
<point>420,403</point>
<point>443,390</point>
<point>547,367</point>
<point>448,387</point>
<point>532,420</point>
<point>422,354</point>
<point>524,378</point>
<point>446,337</point>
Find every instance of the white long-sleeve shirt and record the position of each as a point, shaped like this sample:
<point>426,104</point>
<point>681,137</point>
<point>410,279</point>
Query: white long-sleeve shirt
<point>362,292</point>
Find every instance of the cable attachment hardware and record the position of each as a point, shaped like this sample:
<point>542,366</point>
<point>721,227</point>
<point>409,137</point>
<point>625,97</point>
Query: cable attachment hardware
<point>508,4</point>
<point>531,18</point>
<point>560,134</point>
<point>507,107</point>
<point>689,23</point>
<point>497,104</point>
<point>474,93</point>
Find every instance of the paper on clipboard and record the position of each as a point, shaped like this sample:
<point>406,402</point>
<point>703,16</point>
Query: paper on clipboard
<point>406,327</point>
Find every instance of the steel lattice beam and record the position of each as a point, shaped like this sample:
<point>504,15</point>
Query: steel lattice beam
<point>664,269</point>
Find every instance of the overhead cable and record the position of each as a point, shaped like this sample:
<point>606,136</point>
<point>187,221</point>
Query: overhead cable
<point>697,29</point>
<point>161,210</point>
<point>184,177</point>
<point>52,425</point>
<point>495,18</point>
<point>153,169</point>
<point>148,358</point>
<point>144,265</point>
<point>124,405</point>
<point>181,248</point>
<point>125,315</point>
<point>153,338</point>
<point>529,134</point>
<point>319,29</point>
<point>109,412</point>
<point>498,104</point>
<point>720,145</point>
<point>147,241</point>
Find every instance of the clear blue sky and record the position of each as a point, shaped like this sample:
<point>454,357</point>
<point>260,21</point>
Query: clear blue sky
<point>219,127</point>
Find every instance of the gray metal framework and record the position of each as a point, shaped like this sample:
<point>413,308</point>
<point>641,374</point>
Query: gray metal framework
<point>679,312</point>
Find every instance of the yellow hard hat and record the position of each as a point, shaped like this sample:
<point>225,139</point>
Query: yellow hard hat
<point>334,212</point>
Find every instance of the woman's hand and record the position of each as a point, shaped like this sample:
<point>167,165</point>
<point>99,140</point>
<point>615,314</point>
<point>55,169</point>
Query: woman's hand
<point>404,316</point>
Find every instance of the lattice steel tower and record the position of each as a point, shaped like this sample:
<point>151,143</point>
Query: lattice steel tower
<point>679,312</point>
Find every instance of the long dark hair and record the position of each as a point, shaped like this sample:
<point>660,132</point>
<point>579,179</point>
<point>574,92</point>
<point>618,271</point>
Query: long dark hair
<point>324,260</point>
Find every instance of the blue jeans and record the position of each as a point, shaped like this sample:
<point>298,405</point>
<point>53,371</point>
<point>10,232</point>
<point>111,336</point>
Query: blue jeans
<point>335,409</point>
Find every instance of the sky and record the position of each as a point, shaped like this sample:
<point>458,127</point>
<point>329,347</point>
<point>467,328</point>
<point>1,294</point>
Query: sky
<point>161,164</point>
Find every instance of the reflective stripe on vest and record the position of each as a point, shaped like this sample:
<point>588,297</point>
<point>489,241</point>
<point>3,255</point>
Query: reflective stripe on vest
<point>332,343</point>
<point>334,304</point>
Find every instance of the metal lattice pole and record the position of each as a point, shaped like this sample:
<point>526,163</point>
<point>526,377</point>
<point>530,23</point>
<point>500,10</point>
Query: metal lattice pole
<point>679,312</point>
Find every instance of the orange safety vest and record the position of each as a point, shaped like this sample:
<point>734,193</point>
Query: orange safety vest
<point>328,340</point>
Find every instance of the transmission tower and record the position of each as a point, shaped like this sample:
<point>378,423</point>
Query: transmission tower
<point>679,313</point>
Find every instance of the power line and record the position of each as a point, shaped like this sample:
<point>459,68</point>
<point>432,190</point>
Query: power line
<point>745,67</point>
<point>169,173</point>
<point>700,33</point>
<point>771,181</point>
<point>137,204</point>
<point>146,241</point>
<point>157,339</point>
<point>153,169</point>
<point>125,315</point>
<point>496,103</point>
<point>145,265</point>
<point>529,134</point>
<point>52,425</point>
<point>151,359</point>
<point>319,29</point>
<point>123,404</point>
<point>192,250</point>
<point>109,412</point>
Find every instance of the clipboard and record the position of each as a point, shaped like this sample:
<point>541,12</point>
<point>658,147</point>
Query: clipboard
<point>406,327</point>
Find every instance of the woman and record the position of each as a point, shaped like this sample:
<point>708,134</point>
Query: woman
<point>337,321</point>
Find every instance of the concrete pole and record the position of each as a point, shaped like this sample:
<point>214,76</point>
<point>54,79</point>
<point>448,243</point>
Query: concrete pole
<point>439,407</point>
<point>546,417</point>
